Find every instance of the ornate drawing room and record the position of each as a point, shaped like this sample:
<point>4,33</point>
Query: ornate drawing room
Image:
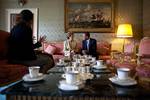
<point>74,50</point>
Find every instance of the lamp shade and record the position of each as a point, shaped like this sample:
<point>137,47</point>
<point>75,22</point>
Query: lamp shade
<point>124,30</point>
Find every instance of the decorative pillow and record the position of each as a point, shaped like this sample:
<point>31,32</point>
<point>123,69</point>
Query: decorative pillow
<point>50,49</point>
<point>103,50</point>
<point>59,48</point>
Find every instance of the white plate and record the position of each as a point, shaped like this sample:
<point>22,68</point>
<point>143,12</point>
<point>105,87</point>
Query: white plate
<point>99,67</point>
<point>126,82</point>
<point>70,87</point>
<point>28,78</point>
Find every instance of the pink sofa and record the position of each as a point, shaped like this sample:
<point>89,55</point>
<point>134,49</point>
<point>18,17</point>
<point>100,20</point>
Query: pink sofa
<point>56,49</point>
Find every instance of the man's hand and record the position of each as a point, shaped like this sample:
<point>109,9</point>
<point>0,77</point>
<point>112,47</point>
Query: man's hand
<point>42,38</point>
<point>84,52</point>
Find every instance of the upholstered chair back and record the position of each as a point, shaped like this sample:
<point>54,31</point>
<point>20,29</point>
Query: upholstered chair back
<point>144,50</point>
<point>144,47</point>
<point>3,44</point>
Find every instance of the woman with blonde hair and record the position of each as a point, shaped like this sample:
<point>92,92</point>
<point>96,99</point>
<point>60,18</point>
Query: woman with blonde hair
<point>70,45</point>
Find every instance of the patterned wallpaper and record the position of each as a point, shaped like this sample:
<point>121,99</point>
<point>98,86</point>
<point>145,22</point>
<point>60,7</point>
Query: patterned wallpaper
<point>146,17</point>
<point>51,17</point>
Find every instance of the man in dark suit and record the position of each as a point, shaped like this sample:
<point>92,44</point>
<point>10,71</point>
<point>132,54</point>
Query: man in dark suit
<point>89,45</point>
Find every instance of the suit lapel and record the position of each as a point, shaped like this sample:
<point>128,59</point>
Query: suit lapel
<point>89,44</point>
<point>85,44</point>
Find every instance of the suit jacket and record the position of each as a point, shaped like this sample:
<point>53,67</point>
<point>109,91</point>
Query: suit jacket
<point>92,46</point>
<point>20,43</point>
<point>68,46</point>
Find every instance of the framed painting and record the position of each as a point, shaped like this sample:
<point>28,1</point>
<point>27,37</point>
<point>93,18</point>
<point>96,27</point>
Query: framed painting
<point>13,18</point>
<point>89,16</point>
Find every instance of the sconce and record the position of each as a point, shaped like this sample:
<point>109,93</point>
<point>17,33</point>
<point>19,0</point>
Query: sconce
<point>22,2</point>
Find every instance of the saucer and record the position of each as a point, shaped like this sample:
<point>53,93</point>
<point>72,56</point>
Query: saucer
<point>28,78</point>
<point>70,87</point>
<point>99,67</point>
<point>123,82</point>
<point>60,64</point>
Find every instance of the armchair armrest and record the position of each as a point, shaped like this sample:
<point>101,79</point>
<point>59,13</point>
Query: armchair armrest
<point>138,58</point>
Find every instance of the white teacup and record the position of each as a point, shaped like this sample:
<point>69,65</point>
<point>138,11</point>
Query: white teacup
<point>85,56</point>
<point>93,59</point>
<point>123,73</point>
<point>99,62</point>
<point>71,77</point>
<point>82,69</point>
<point>75,64</point>
<point>34,71</point>
<point>88,69</point>
<point>84,61</point>
<point>67,69</point>
<point>67,53</point>
<point>90,57</point>
<point>70,69</point>
<point>61,61</point>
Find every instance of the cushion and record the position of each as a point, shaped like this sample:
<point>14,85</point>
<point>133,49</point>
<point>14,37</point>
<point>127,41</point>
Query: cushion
<point>103,48</point>
<point>50,49</point>
<point>59,47</point>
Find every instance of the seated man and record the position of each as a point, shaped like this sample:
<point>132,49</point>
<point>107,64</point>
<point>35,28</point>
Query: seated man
<point>89,45</point>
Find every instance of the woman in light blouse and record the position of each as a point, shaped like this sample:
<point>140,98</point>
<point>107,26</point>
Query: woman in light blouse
<point>70,45</point>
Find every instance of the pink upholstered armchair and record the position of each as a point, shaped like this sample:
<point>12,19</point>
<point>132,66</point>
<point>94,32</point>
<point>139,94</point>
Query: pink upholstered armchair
<point>125,59</point>
<point>143,69</point>
<point>8,72</point>
<point>144,51</point>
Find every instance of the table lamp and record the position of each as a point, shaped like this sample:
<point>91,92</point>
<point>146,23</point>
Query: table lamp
<point>124,31</point>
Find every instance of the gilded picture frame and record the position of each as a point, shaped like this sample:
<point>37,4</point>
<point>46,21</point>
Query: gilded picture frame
<point>89,16</point>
